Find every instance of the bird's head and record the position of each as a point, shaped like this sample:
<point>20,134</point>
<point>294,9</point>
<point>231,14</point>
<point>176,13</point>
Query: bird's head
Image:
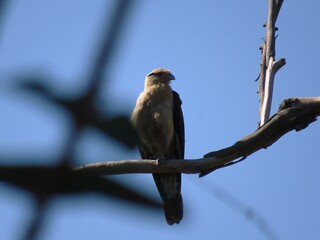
<point>159,75</point>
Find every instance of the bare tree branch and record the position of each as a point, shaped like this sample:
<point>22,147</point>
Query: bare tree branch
<point>271,71</point>
<point>268,65</point>
<point>293,114</point>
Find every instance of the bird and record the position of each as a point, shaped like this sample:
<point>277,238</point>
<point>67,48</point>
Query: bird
<point>158,119</point>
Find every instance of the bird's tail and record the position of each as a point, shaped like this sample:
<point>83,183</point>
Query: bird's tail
<point>169,187</point>
<point>173,209</point>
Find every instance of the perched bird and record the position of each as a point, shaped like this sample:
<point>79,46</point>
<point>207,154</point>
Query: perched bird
<point>158,119</point>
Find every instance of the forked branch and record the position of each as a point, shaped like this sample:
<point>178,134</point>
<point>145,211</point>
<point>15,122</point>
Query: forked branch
<point>268,65</point>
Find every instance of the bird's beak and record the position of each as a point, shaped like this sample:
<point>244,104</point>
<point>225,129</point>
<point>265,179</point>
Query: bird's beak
<point>172,77</point>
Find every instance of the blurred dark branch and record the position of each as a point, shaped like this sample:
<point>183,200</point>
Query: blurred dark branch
<point>32,230</point>
<point>240,207</point>
<point>46,182</point>
<point>293,114</point>
<point>3,7</point>
<point>110,39</point>
<point>83,109</point>
<point>85,113</point>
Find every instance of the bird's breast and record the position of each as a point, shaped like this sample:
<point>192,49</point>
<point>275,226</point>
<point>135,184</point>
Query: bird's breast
<point>153,118</point>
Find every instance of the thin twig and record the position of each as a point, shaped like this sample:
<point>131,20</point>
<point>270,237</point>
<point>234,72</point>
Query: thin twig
<point>240,207</point>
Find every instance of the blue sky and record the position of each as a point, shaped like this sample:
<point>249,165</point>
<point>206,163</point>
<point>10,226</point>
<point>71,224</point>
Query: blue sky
<point>212,49</point>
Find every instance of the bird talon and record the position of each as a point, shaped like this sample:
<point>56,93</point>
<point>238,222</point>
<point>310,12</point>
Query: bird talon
<point>159,161</point>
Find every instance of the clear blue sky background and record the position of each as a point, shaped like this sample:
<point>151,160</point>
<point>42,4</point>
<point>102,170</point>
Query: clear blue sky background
<point>212,49</point>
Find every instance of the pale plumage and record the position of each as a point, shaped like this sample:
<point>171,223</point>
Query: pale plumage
<point>158,119</point>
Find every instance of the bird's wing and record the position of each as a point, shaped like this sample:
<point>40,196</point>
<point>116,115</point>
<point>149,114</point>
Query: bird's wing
<point>143,152</point>
<point>169,184</point>
<point>178,122</point>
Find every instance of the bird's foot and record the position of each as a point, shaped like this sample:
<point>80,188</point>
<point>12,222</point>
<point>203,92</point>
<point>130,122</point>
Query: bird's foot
<point>160,161</point>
